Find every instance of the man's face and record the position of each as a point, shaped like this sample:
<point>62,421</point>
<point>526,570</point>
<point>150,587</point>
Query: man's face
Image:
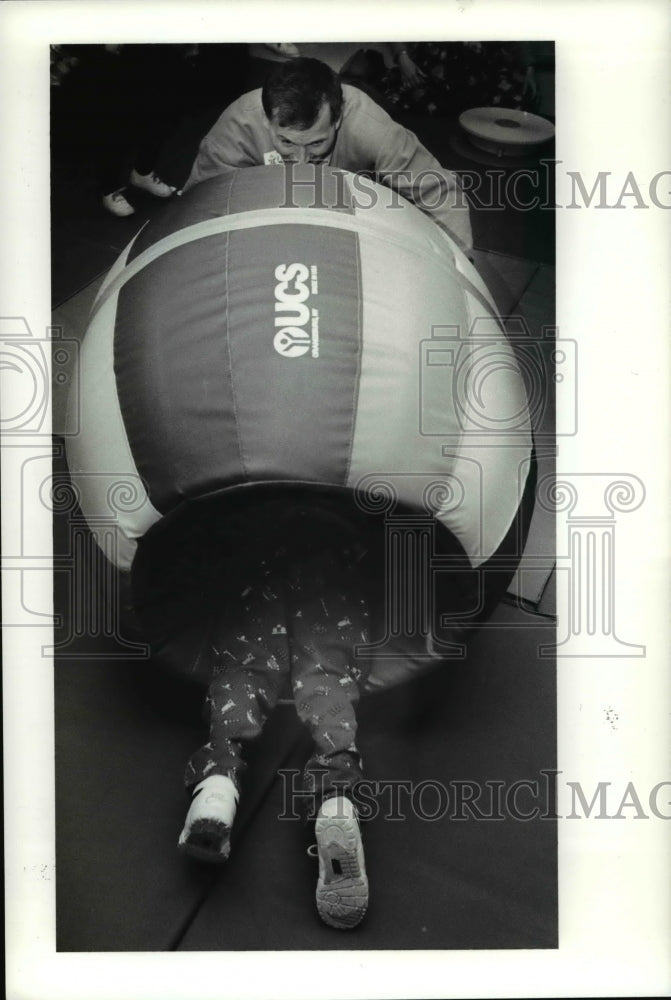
<point>310,145</point>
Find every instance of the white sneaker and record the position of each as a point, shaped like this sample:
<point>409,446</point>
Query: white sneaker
<point>151,183</point>
<point>207,828</point>
<point>116,204</point>
<point>342,889</point>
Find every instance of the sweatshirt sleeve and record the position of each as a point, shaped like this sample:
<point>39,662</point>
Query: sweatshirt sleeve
<point>405,165</point>
<point>229,144</point>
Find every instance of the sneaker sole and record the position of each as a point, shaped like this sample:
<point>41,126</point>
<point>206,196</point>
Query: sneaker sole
<point>342,889</point>
<point>207,841</point>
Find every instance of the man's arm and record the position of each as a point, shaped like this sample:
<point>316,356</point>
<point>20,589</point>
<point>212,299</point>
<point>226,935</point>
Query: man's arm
<point>403,163</point>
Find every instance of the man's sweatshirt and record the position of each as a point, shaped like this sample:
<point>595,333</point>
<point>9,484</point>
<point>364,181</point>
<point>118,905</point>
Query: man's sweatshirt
<point>368,140</point>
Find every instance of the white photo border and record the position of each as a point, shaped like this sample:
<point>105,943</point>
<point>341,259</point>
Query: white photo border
<point>613,65</point>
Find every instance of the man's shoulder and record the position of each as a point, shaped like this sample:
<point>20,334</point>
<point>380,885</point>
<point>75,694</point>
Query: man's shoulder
<point>246,106</point>
<point>358,105</point>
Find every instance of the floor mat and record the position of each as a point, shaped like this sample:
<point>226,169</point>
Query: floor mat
<point>443,875</point>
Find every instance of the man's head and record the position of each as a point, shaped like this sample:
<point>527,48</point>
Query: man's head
<point>302,100</point>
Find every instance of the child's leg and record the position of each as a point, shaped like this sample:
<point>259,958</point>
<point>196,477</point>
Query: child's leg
<point>328,618</point>
<point>238,701</point>
<point>252,662</point>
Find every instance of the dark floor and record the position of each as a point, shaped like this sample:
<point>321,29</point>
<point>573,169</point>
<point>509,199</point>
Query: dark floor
<point>123,732</point>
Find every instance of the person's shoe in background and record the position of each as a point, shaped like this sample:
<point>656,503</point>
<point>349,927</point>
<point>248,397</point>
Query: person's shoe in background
<point>117,204</point>
<point>151,183</point>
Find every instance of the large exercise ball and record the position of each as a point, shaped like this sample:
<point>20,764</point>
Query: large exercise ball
<point>299,330</point>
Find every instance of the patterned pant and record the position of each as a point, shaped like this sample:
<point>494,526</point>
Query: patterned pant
<point>297,618</point>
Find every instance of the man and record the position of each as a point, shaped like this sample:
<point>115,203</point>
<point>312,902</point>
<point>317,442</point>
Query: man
<point>303,114</point>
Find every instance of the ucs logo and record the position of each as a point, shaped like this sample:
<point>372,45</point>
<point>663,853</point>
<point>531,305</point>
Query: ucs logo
<point>291,342</point>
<point>293,315</point>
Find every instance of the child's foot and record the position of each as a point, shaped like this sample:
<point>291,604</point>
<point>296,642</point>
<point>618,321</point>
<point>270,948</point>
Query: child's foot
<point>342,889</point>
<point>207,830</point>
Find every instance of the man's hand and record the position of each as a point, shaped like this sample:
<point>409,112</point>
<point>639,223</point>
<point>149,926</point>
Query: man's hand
<point>410,71</point>
<point>530,85</point>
